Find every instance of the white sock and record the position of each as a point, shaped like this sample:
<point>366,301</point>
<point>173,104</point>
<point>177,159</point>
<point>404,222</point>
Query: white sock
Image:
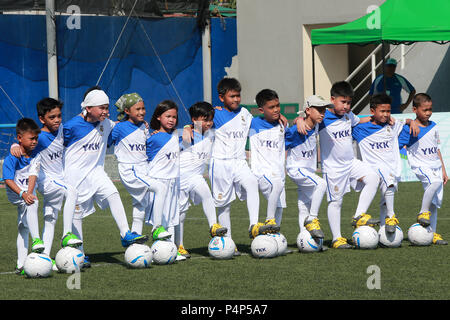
<point>428,196</point>
<point>77,228</point>
<point>179,230</point>
<point>251,188</point>
<point>32,219</point>
<point>383,212</point>
<point>303,212</point>
<point>224,218</point>
<point>159,189</point>
<point>138,219</point>
<point>316,200</point>
<point>334,218</point>
<point>279,215</point>
<point>433,217</point>
<point>118,213</point>
<point>171,230</point>
<point>389,200</point>
<point>22,245</point>
<point>274,198</point>
<point>48,231</point>
<point>369,191</point>
<point>207,202</point>
<point>69,208</point>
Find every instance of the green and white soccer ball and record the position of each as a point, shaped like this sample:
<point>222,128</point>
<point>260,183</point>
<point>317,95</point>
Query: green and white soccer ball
<point>264,246</point>
<point>69,260</point>
<point>390,239</point>
<point>138,256</point>
<point>221,248</point>
<point>365,237</point>
<point>164,252</point>
<point>37,265</point>
<point>281,243</point>
<point>420,236</point>
<point>306,243</point>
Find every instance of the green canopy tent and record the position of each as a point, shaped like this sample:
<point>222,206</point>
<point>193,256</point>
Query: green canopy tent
<point>394,22</point>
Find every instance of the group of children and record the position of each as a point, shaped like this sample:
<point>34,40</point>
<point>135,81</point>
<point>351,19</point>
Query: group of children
<point>163,169</point>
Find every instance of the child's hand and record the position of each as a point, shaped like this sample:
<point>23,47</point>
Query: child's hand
<point>218,108</point>
<point>301,125</point>
<point>154,132</point>
<point>444,177</point>
<point>147,126</point>
<point>188,134</point>
<point>29,198</point>
<point>15,150</point>
<point>391,120</point>
<point>414,128</point>
<point>283,121</point>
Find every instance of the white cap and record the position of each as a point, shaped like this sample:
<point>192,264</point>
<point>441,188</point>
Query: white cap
<point>316,101</point>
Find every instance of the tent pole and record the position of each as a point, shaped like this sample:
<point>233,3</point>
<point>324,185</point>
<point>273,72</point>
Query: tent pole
<point>383,53</point>
<point>313,71</point>
<point>52,58</point>
<point>206,62</point>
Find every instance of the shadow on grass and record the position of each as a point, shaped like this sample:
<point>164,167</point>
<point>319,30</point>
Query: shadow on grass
<point>105,257</point>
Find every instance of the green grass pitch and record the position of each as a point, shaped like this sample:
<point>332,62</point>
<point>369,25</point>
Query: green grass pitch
<point>405,273</point>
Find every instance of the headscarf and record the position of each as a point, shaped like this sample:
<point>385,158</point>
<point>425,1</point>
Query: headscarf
<point>94,98</point>
<point>126,101</point>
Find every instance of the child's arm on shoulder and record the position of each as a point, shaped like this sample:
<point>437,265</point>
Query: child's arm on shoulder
<point>15,150</point>
<point>28,196</point>
<point>444,172</point>
<point>413,127</point>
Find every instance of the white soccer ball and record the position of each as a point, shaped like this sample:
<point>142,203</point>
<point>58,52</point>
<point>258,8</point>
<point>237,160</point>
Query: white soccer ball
<point>281,242</point>
<point>390,239</point>
<point>264,246</point>
<point>420,236</point>
<point>221,248</point>
<point>37,265</point>
<point>164,252</point>
<point>365,237</point>
<point>69,260</point>
<point>138,256</point>
<point>306,243</point>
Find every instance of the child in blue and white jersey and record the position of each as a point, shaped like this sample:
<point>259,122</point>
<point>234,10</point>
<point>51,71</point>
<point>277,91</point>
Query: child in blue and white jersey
<point>85,138</point>
<point>268,155</point>
<point>20,175</point>
<point>301,166</point>
<point>129,137</point>
<point>425,160</point>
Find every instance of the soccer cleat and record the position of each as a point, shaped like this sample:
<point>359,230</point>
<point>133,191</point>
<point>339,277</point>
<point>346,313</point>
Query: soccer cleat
<point>313,227</point>
<point>364,219</point>
<point>257,229</point>
<point>437,239</point>
<point>37,246</point>
<point>132,237</point>
<point>391,223</point>
<point>274,228</point>
<point>341,243</point>
<point>159,233</point>
<point>424,218</point>
<point>19,271</point>
<point>180,257</point>
<point>86,263</point>
<point>236,253</point>
<point>54,267</point>
<point>183,251</point>
<point>70,240</point>
<point>217,230</point>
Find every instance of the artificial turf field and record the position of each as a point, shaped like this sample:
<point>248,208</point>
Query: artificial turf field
<point>406,273</point>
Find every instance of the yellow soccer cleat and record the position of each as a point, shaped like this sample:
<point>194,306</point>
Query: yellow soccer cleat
<point>341,243</point>
<point>313,227</point>
<point>364,219</point>
<point>437,239</point>
<point>217,230</point>
<point>424,218</point>
<point>183,252</point>
<point>274,228</point>
<point>257,229</point>
<point>391,224</point>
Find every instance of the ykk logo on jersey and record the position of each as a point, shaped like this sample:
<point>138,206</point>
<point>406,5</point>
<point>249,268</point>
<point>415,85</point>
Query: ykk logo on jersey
<point>341,134</point>
<point>380,145</point>
<point>202,155</point>
<point>172,155</point>
<point>137,147</point>
<point>23,181</point>
<point>307,154</point>
<point>55,155</point>
<point>429,151</point>
<point>269,144</point>
<point>235,135</point>
<point>91,146</point>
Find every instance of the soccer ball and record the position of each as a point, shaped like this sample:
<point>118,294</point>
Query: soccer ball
<point>138,256</point>
<point>164,252</point>
<point>37,265</point>
<point>264,246</point>
<point>281,242</point>
<point>221,248</point>
<point>365,237</point>
<point>69,260</point>
<point>306,243</point>
<point>390,240</point>
<point>420,236</point>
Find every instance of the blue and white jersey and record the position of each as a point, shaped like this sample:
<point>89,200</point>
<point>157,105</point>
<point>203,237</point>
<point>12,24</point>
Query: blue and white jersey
<point>195,156</point>
<point>378,145</point>
<point>129,142</point>
<point>86,145</point>
<point>163,155</point>
<point>301,149</point>
<point>20,169</point>
<point>423,149</point>
<point>51,147</point>
<point>336,142</point>
<point>267,147</point>
<point>231,131</point>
